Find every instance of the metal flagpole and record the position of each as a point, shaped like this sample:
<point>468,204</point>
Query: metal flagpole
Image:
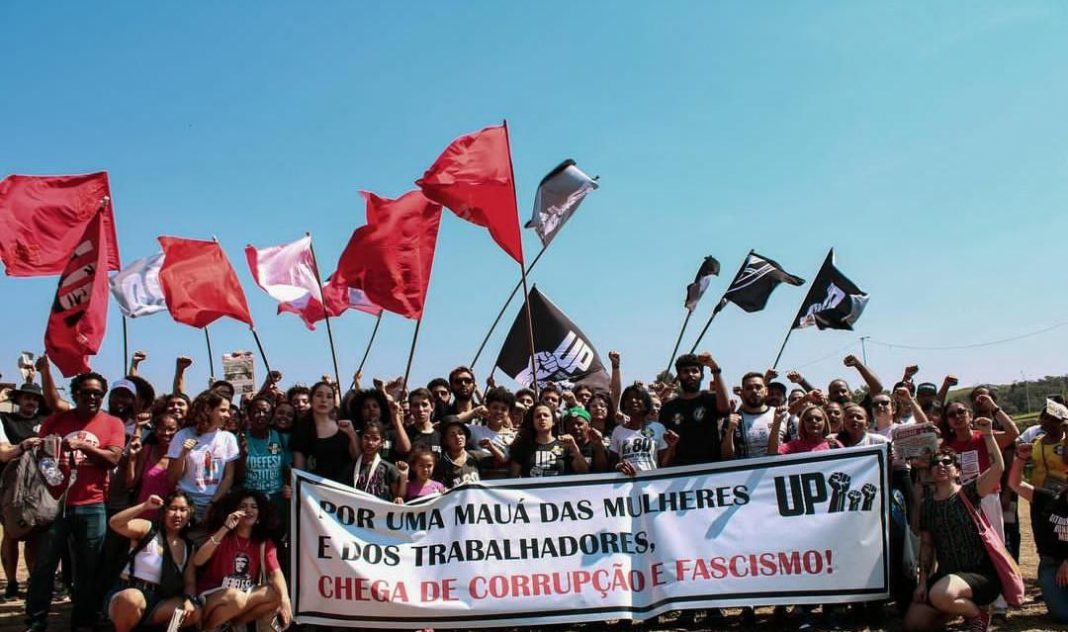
<point>678,340</point>
<point>322,299</point>
<point>256,337</point>
<point>211,359</point>
<point>125,348</point>
<point>522,269</point>
<point>411,353</point>
<point>718,307</point>
<point>504,307</point>
<point>370,342</point>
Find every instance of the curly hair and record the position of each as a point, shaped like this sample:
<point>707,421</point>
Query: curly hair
<point>82,378</point>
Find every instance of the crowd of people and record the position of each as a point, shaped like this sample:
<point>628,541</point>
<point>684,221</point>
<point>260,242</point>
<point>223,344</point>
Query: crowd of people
<point>172,503</point>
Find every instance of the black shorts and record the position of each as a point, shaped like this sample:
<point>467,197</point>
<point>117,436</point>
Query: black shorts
<point>985,584</point>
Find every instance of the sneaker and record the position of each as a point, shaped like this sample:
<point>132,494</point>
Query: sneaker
<point>980,623</point>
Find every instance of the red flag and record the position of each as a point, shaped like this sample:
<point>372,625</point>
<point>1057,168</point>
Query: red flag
<point>338,297</point>
<point>390,258</point>
<point>43,218</point>
<point>473,178</point>
<point>199,283</point>
<point>80,310</point>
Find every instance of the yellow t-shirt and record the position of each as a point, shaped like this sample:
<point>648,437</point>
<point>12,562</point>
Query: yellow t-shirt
<point>1048,461</point>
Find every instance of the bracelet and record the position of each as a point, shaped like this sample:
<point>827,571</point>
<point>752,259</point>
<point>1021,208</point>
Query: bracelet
<point>997,409</point>
<point>213,540</point>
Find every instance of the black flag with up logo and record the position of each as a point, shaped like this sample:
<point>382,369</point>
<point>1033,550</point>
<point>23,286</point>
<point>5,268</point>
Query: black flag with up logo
<point>563,353</point>
<point>833,301</point>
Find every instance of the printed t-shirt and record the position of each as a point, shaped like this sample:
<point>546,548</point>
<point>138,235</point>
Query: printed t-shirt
<point>235,563</point>
<point>696,421</point>
<point>1049,463</point>
<point>206,463</point>
<point>548,459</point>
<point>752,434</point>
<point>90,480</point>
<point>263,465</point>
<point>1049,521</point>
<point>378,482</point>
<point>639,447</point>
<point>452,474</point>
<point>974,459</point>
<point>425,440</point>
<point>488,468</point>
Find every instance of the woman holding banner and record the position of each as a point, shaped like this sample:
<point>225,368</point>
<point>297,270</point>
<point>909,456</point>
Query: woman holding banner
<point>964,582</point>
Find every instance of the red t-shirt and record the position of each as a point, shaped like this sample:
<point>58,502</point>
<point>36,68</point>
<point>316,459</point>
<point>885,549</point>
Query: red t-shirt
<point>235,563</point>
<point>974,459</point>
<point>101,431</point>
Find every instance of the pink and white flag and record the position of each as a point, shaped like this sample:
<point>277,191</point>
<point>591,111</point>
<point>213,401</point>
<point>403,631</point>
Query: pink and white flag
<point>339,297</point>
<point>287,273</point>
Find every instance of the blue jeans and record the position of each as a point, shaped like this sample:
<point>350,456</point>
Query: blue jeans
<point>82,529</point>
<point>1055,596</point>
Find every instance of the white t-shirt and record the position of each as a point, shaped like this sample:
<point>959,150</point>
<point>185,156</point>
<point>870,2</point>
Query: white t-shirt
<point>502,439</point>
<point>638,447</point>
<point>870,438</point>
<point>753,431</point>
<point>1032,433</point>
<point>205,463</point>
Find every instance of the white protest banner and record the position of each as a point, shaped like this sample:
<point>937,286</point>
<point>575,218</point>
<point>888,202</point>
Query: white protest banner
<point>801,529</point>
<point>239,369</point>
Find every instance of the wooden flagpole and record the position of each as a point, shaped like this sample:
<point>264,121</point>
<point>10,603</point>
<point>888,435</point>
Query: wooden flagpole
<point>678,340</point>
<point>411,352</point>
<point>500,314</point>
<point>717,308</point>
<point>523,271</point>
<point>322,299</point>
<point>211,358</point>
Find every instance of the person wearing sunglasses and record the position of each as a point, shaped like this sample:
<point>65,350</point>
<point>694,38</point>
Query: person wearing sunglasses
<point>462,385</point>
<point>93,442</point>
<point>956,576</point>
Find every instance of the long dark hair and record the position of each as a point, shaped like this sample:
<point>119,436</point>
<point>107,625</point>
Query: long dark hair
<point>354,410</point>
<point>265,522</point>
<point>523,446</point>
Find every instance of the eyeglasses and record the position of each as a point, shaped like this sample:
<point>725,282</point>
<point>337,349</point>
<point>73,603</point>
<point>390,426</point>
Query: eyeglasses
<point>463,380</point>
<point>944,461</point>
<point>881,402</point>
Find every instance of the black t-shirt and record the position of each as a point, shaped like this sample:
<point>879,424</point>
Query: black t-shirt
<point>19,428</point>
<point>697,422</point>
<point>327,457</point>
<point>547,459</point>
<point>1049,521</point>
<point>426,440</point>
<point>449,474</point>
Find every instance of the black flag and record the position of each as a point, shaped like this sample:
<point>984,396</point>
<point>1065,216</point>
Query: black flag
<point>755,282</point>
<point>833,301</point>
<point>694,291</point>
<point>563,352</point>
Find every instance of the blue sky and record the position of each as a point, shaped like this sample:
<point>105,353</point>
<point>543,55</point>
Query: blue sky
<point>926,143</point>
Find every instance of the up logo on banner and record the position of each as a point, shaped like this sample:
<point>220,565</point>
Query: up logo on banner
<point>801,494</point>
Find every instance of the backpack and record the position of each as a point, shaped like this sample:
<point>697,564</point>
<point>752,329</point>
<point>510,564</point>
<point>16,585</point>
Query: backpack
<point>26,503</point>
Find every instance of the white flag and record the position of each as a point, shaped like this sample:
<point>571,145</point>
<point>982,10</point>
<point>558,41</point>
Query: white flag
<point>136,287</point>
<point>559,196</point>
<point>287,273</point>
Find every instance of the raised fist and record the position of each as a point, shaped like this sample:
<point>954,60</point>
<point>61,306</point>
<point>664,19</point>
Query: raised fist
<point>839,483</point>
<point>869,491</point>
<point>139,356</point>
<point>902,393</point>
<point>951,380</point>
<point>274,377</point>
<point>911,370</point>
<point>794,377</point>
<point>41,363</point>
<point>851,360</point>
<point>671,438</point>
<point>154,502</point>
<point>402,468</point>
<point>183,362</point>
<point>613,357</point>
<point>1024,451</point>
<point>984,425</point>
<point>770,375</point>
<point>854,497</point>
